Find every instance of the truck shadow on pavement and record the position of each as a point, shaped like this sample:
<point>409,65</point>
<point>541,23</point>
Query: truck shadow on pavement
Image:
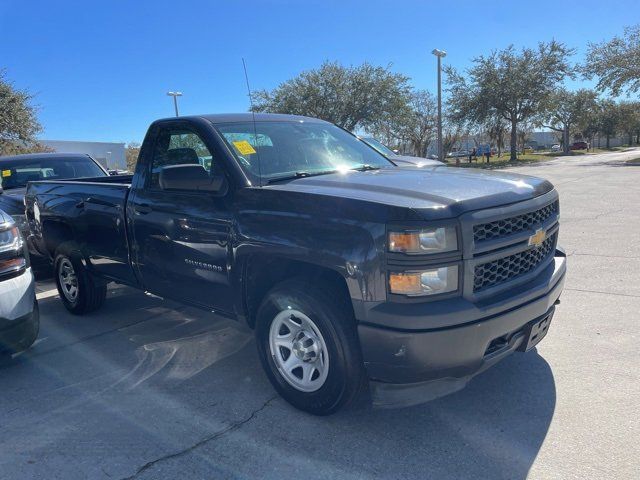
<point>144,383</point>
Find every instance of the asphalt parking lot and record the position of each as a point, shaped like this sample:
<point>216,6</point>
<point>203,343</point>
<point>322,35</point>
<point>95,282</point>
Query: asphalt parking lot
<point>146,388</point>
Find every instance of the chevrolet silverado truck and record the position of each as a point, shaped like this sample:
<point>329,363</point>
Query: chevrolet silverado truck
<point>353,272</point>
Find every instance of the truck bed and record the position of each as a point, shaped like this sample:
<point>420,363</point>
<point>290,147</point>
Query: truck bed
<point>91,212</point>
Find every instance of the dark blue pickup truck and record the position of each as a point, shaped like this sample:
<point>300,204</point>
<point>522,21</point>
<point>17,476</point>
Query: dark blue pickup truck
<point>353,272</point>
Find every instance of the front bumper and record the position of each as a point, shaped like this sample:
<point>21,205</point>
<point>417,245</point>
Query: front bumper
<point>410,366</point>
<point>17,295</point>
<point>19,318</point>
<point>19,334</point>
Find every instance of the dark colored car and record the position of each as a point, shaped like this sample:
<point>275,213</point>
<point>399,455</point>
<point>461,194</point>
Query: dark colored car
<point>19,318</point>
<point>349,268</point>
<point>579,146</point>
<point>399,160</point>
<point>16,171</point>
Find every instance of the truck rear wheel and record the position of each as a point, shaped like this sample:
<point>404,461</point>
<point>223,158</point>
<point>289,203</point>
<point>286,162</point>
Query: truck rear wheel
<point>308,346</point>
<point>79,291</point>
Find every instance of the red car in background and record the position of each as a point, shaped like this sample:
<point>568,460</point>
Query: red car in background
<point>579,146</point>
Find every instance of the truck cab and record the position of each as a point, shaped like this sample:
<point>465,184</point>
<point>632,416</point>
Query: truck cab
<point>351,270</point>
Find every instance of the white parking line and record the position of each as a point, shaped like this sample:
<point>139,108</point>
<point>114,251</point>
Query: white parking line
<point>47,294</point>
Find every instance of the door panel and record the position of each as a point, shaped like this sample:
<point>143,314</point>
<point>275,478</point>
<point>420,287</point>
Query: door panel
<point>182,238</point>
<point>183,247</point>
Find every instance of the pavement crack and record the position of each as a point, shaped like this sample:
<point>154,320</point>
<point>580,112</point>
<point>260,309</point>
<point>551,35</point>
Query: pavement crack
<point>575,253</point>
<point>595,217</point>
<point>232,427</point>
<point>572,254</point>
<point>602,293</point>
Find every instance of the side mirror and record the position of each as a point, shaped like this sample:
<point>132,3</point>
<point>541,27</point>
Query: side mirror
<point>191,177</point>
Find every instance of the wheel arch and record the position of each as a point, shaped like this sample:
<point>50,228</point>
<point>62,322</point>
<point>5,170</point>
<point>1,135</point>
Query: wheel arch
<point>262,272</point>
<point>55,234</point>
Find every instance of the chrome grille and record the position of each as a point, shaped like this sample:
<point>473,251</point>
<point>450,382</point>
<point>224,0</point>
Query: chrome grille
<point>497,271</point>
<point>520,223</point>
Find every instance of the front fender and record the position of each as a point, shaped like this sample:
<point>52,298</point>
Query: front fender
<point>348,248</point>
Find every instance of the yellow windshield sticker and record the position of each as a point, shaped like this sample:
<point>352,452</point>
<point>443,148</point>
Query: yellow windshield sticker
<point>244,147</point>
<point>6,173</point>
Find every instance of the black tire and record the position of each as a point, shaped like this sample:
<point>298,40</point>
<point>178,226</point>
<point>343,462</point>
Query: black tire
<point>333,317</point>
<point>90,293</point>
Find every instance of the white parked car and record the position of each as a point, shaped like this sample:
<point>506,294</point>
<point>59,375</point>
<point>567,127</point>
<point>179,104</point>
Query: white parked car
<point>400,160</point>
<point>556,148</point>
<point>458,154</point>
<point>19,317</point>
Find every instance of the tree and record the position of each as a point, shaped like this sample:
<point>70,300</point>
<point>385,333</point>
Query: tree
<point>451,135</point>
<point>497,130</point>
<point>351,97</point>
<point>418,125</point>
<point>608,119</point>
<point>564,109</point>
<point>629,119</point>
<point>524,134</point>
<point>510,84</point>
<point>588,123</point>
<point>616,62</point>
<point>18,122</point>
<point>131,152</point>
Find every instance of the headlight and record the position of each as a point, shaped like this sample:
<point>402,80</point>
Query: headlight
<point>426,240</point>
<point>425,282</point>
<point>10,239</point>
<point>11,255</point>
<point>21,222</point>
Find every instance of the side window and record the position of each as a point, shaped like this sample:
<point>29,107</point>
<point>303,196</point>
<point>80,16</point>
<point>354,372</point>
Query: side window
<point>179,147</point>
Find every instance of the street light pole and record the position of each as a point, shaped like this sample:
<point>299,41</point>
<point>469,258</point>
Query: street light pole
<point>175,96</point>
<point>440,54</point>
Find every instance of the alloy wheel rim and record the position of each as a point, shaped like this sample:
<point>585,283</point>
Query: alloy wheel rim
<point>68,280</point>
<point>299,350</point>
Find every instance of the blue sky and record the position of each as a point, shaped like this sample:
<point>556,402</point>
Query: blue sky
<point>101,70</point>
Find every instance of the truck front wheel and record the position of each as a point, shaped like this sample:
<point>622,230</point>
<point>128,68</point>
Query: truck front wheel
<point>78,290</point>
<point>308,346</point>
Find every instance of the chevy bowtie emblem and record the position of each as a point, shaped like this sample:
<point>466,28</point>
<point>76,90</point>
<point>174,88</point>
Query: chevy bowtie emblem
<point>537,238</point>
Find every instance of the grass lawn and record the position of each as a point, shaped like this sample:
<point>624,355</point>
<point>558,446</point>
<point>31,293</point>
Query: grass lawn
<point>501,162</point>
<point>526,158</point>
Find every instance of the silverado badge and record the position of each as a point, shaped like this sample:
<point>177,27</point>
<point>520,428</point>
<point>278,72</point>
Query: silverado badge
<point>537,238</point>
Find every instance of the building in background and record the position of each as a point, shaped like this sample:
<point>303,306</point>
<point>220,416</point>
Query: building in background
<point>109,155</point>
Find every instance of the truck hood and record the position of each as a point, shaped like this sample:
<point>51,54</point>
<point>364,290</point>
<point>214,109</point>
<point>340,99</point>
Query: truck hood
<point>12,201</point>
<point>407,161</point>
<point>435,192</point>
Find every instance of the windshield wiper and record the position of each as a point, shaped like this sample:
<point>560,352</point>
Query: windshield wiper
<point>365,168</point>
<point>302,174</point>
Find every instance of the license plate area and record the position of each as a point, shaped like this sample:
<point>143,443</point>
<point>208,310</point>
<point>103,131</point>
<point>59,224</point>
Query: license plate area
<point>534,332</point>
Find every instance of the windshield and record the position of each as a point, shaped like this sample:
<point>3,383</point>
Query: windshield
<point>383,149</point>
<point>281,149</point>
<point>17,172</point>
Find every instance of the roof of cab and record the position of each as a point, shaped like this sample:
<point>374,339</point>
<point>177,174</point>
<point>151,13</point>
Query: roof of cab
<point>249,117</point>
<point>40,156</point>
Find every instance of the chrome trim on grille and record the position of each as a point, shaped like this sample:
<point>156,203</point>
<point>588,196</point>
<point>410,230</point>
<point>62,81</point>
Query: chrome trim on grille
<point>510,225</point>
<point>513,243</point>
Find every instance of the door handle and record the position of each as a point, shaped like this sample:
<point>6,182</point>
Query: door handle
<point>80,204</point>
<point>143,208</point>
